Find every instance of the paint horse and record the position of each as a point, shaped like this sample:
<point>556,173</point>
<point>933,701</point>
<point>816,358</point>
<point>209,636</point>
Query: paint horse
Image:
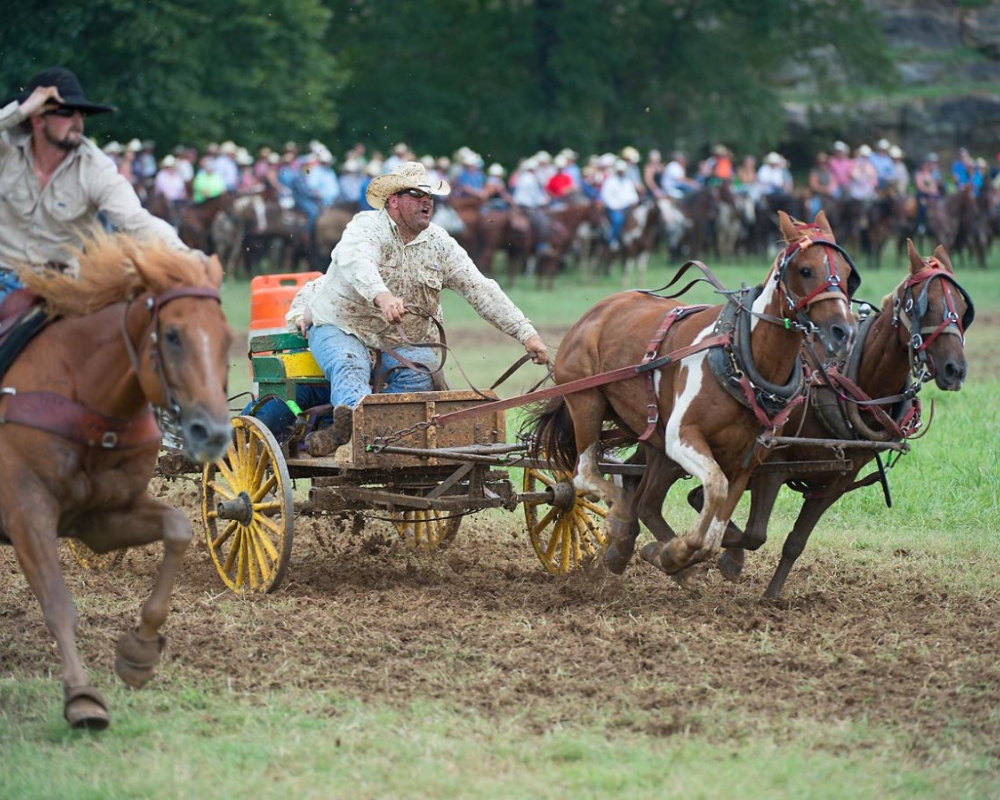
<point>919,335</point>
<point>143,325</point>
<point>733,372</point>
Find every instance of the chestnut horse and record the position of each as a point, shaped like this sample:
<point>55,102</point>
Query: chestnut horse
<point>711,425</point>
<point>898,349</point>
<point>143,324</point>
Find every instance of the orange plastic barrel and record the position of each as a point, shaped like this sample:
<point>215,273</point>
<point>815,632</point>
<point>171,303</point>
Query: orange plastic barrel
<point>270,297</point>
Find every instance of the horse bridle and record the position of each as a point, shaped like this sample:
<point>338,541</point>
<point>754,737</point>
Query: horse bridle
<point>830,288</point>
<point>154,303</point>
<point>909,311</point>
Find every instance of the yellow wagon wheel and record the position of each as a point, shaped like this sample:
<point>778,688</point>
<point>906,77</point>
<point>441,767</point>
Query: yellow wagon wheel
<point>566,530</point>
<point>247,510</point>
<point>426,530</point>
<point>88,559</point>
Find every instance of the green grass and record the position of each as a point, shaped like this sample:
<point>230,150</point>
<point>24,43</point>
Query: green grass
<point>202,743</point>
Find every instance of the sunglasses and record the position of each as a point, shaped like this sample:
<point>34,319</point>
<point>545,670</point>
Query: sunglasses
<point>63,111</point>
<point>415,193</point>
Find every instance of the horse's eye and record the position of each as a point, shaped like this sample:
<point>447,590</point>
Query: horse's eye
<point>805,272</point>
<point>172,337</point>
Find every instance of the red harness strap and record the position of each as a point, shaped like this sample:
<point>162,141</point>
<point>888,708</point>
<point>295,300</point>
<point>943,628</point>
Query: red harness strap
<point>652,407</point>
<point>50,412</point>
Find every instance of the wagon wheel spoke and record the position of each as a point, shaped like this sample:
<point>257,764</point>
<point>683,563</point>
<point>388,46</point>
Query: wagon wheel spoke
<point>247,510</point>
<point>426,529</point>
<point>570,533</point>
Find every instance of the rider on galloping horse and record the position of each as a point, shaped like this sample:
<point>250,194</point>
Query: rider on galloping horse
<point>53,181</point>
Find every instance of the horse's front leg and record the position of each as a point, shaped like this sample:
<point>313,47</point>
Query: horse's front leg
<point>31,525</point>
<point>690,450</point>
<point>147,521</point>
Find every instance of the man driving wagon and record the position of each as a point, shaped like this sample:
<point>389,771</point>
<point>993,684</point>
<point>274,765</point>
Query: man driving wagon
<point>388,261</point>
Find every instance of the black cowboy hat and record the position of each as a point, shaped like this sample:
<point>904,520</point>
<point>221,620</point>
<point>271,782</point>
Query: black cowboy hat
<point>69,89</point>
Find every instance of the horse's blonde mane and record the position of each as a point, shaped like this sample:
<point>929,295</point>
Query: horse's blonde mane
<point>114,267</point>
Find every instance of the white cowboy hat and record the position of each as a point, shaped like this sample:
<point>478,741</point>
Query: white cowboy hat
<point>896,151</point>
<point>411,175</point>
<point>882,144</point>
<point>134,146</point>
<point>496,171</point>
<point>772,158</point>
<point>168,161</point>
<point>864,151</point>
<point>112,148</point>
<point>841,147</point>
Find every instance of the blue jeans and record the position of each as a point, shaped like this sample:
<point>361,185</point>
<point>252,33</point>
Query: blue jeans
<point>617,218</point>
<point>8,282</point>
<point>348,366</point>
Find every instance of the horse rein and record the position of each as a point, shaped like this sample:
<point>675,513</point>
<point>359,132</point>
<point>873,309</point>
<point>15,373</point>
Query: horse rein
<point>909,312</point>
<point>154,303</point>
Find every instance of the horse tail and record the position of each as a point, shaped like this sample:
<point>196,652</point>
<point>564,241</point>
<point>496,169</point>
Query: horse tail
<point>550,435</point>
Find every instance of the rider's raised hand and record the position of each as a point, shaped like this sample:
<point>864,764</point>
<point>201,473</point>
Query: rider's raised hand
<point>44,98</point>
<point>536,348</point>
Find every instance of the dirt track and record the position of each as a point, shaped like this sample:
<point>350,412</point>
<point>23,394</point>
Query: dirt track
<point>482,625</point>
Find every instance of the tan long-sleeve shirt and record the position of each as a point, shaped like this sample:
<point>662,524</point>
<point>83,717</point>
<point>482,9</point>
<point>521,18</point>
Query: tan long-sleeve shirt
<point>40,225</point>
<point>371,258</point>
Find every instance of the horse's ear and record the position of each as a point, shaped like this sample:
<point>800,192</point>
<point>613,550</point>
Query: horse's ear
<point>822,223</point>
<point>916,262</point>
<point>942,255</point>
<point>787,227</point>
<point>213,271</point>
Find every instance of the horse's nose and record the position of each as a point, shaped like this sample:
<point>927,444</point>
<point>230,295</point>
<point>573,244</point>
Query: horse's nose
<point>838,338</point>
<point>952,375</point>
<point>205,438</point>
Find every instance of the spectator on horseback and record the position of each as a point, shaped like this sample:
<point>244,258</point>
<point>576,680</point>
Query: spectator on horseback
<point>248,182</point>
<point>470,181</point>
<point>400,155</point>
<point>145,162</point>
<point>652,174</point>
<point>113,150</point>
<point>631,158</point>
<point>497,195</point>
<point>572,168</point>
<point>207,182</point>
<point>772,177</point>
<point>54,182</point>
<point>126,165</point>
<point>530,197</point>
<point>962,169</point>
<point>304,192</point>
<point>322,179</point>
<point>619,196</point>
<point>372,170</point>
<point>560,185</point>
<point>822,184</point>
<point>841,165</point>
<point>900,172</point>
<point>864,180</point>
<point>720,166</point>
<point>884,167</point>
<point>545,169</point>
<point>226,166</point>
<point>388,260</point>
<point>676,183</point>
<point>169,184</point>
<point>746,178</point>
<point>351,181</point>
<point>927,181</point>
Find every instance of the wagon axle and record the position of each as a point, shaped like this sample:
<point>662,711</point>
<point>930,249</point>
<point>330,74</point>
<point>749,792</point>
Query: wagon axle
<point>239,508</point>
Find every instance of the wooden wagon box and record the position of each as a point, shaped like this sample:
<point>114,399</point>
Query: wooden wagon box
<point>383,415</point>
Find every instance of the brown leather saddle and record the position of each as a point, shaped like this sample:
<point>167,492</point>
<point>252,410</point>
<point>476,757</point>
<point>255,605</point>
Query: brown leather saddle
<point>22,316</point>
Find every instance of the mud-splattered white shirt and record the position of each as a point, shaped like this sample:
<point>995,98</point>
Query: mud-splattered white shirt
<point>371,258</point>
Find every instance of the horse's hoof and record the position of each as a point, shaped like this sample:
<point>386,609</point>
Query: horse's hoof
<point>689,578</point>
<point>85,709</point>
<point>617,556</point>
<point>731,569</point>
<point>137,658</point>
<point>662,555</point>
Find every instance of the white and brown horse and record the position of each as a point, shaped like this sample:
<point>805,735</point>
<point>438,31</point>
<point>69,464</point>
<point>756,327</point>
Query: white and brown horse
<point>710,415</point>
<point>919,335</point>
<point>142,325</point>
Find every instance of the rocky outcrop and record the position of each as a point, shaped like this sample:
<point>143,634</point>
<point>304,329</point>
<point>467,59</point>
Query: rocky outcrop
<point>947,57</point>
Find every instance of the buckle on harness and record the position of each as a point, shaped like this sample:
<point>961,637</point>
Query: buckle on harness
<point>109,440</point>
